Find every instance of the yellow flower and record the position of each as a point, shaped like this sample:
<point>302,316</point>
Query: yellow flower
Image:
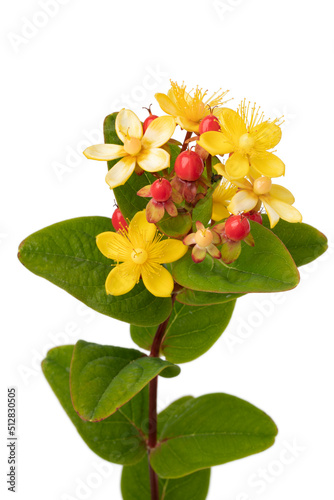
<point>221,197</point>
<point>248,136</point>
<point>141,251</point>
<point>277,200</point>
<point>137,148</point>
<point>186,109</point>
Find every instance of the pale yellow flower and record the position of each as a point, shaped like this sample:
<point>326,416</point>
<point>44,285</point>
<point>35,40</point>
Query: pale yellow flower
<point>187,109</point>
<point>138,148</point>
<point>248,136</point>
<point>277,200</point>
<point>221,198</point>
<point>141,252</point>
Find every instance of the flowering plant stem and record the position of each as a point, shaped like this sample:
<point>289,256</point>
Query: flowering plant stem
<point>153,391</point>
<point>185,143</point>
<point>119,268</point>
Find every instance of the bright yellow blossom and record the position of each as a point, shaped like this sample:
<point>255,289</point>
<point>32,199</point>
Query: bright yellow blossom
<point>277,200</point>
<point>138,148</point>
<point>221,198</point>
<point>188,110</point>
<point>248,136</point>
<point>141,252</point>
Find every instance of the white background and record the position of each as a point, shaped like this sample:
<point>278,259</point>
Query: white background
<point>85,60</point>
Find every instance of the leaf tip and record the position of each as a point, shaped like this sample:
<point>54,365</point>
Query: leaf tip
<point>19,256</point>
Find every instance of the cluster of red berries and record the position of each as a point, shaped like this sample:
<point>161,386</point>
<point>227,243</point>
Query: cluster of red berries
<point>189,167</point>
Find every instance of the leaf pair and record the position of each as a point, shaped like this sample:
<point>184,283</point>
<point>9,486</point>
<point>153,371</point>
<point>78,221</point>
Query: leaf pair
<point>66,254</point>
<point>193,433</point>
<point>135,484</point>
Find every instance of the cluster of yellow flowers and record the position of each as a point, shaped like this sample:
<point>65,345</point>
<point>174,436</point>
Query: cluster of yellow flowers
<point>246,177</point>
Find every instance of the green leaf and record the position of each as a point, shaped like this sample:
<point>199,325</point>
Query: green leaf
<point>203,211</point>
<point>175,227</point>
<point>67,255</point>
<point>191,331</point>
<point>207,431</point>
<point>196,298</point>
<point>126,196</point>
<point>174,151</point>
<point>135,484</point>
<point>304,242</point>
<point>104,378</point>
<point>266,267</point>
<point>121,437</point>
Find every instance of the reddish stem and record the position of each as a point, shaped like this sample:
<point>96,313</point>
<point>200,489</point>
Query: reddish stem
<point>185,144</point>
<point>209,167</point>
<point>154,483</point>
<point>153,392</point>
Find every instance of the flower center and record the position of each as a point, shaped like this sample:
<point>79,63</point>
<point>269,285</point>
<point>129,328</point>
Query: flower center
<point>246,142</point>
<point>132,145</point>
<point>203,238</point>
<point>139,256</point>
<point>262,185</point>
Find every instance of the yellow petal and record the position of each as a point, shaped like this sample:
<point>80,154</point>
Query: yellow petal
<point>153,159</point>
<point>140,232</point>
<point>167,251</point>
<point>281,193</point>
<point>273,216</point>
<point>105,152</point>
<point>172,97</point>
<point>268,164</point>
<point>219,211</point>
<point>243,201</point>
<point>187,124</point>
<point>284,210</point>
<point>215,143</point>
<point>266,135</point>
<point>241,183</point>
<point>114,246</point>
<point>157,280</point>
<point>219,167</point>
<point>159,132</point>
<point>122,279</point>
<point>232,125</point>
<point>237,166</point>
<point>120,172</point>
<point>166,104</point>
<point>128,125</point>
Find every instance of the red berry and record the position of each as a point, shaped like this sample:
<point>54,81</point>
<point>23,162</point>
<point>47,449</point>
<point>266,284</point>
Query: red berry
<point>210,123</point>
<point>148,121</point>
<point>118,220</point>
<point>189,166</point>
<point>256,217</point>
<point>161,190</point>
<point>237,227</point>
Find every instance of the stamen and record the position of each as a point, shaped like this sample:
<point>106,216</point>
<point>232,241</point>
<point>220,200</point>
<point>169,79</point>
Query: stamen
<point>193,107</point>
<point>252,116</point>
